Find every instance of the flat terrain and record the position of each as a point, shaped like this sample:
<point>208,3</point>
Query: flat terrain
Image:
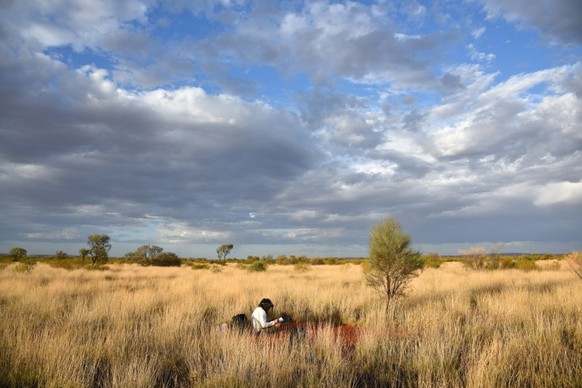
<point>132,326</point>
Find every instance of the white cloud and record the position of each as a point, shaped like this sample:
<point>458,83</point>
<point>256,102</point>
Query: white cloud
<point>478,32</point>
<point>177,231</point>
<point>80,24</point>
<point>479,56</point>
<point>561,192</point>
<point>64,234</point>
<point>509,111</point>
<point>18,172</point>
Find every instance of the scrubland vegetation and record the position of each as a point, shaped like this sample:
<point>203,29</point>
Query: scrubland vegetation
<point>140,326</point>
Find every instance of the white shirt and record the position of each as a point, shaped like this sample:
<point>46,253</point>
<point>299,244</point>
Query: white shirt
<point>260,320</point>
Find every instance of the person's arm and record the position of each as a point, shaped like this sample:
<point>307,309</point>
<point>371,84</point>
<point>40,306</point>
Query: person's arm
<point>261,318</point>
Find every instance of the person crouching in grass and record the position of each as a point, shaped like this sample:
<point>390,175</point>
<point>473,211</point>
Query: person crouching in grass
<point>259,317</point>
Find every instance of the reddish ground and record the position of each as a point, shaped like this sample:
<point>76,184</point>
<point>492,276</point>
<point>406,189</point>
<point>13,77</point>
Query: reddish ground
<point>347,336</point>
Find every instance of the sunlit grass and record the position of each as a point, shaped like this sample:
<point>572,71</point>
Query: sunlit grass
<point>146,326</point>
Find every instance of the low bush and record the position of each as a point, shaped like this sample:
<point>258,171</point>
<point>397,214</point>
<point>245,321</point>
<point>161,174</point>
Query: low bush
<point>165,259</point>
<point>526,263</point>
<point>257,266</point>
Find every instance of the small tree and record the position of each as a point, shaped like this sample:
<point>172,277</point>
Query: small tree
<point>392,263</point>
<point>154,255</point>
<point>18,253</point>
<point>60,255</point>
<point>99,247</point>
<point>83,253</point>
<point>223,251</point>
<point>144,253</point>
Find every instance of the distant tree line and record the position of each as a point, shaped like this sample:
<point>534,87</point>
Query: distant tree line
<point>98,246</point>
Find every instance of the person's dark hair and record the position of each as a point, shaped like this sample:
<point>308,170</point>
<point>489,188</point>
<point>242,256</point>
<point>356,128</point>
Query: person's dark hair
<point>266,304</point>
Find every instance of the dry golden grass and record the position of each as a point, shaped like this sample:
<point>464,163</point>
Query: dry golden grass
<point>574,260</point>
<point>134,326</point>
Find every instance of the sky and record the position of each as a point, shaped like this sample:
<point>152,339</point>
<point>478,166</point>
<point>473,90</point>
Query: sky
<point>290,127</point>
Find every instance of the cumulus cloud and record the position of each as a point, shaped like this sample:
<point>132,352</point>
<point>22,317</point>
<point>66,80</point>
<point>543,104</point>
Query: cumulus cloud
<point>181,153</point>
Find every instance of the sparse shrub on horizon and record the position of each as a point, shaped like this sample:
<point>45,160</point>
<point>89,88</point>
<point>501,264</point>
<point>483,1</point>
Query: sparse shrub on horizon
<point>526,263</point>
<point>18,253</point>
<point>257,266</point>
<point>60,255</point>
<point>432,260</point>
<point>25,262</point>
<point>153,255</point>
<point>165,259</point>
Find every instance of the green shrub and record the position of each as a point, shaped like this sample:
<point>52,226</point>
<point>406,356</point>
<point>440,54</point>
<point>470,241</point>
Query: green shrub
<point>432,260</point>
<point>18,253</point>
<point>526,263</point>
<point>507,263</point>
<point>60,255</point>
<point>165,259</point>
<point>257,266</point>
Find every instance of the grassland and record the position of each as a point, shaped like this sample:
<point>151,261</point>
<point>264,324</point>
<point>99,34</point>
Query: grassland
<point>132,326</point>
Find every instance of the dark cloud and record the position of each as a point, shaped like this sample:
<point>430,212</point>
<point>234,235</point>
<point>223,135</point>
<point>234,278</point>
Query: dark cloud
<point>559,19</point>
<point>131,155</point>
